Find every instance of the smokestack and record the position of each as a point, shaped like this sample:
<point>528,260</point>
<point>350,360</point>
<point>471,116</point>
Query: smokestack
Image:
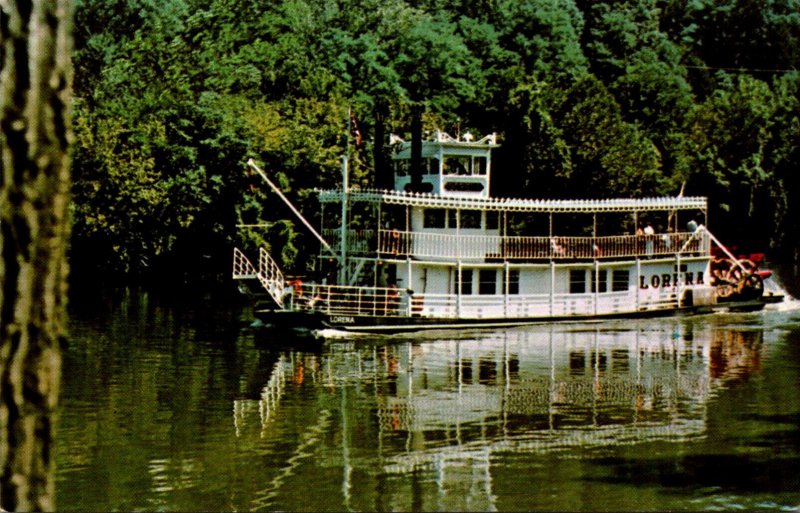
<point>416,148</point>
<point>383,172</point>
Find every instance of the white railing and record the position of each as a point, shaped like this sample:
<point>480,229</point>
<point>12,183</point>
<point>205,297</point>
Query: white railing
<point>270,276</point>
<point>358,241</point>
<point>359,301</point>
<point>242,268</point>
<point>350,300</point>
<point>268,273</point>
<point>423,244</point>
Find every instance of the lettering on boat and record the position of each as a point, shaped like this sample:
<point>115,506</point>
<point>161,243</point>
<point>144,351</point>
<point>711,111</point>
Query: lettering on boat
<point>667,280</point>
<point>343,319</point>
<point>463,186</point>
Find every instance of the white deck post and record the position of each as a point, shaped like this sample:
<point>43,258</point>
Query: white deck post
<point>458,288</point>
<point>638,281</point>
<point>552,284</point>
<point>505,292</point>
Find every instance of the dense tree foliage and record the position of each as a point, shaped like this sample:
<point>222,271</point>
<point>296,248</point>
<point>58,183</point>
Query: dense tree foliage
<point>622,97</point>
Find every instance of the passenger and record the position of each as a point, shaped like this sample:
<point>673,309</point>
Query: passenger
<point>649,232</point>
<point>392,300</point>
<point>556,247</point>
<point>666,239</point>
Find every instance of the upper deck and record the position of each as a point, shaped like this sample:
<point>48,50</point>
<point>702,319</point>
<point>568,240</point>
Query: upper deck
<point>457,219</point>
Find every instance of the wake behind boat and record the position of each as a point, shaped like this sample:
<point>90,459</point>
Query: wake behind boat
<point>439,251</point>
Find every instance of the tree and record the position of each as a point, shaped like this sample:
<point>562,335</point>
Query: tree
<point>732,134</point>
<point>35,88</point>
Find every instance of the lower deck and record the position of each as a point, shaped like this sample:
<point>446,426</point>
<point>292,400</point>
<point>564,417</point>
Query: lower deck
<point>505,291</point>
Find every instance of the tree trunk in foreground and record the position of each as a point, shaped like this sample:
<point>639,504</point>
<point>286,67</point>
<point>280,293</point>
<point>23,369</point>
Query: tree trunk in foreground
<point>35,89</point>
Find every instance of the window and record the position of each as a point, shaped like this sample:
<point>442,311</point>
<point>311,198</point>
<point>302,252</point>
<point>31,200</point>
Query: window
<point>513,281</point>
<point>452,218</point>
<point>487,281</point>
<point>479,166</point>
<point>492,220</point>
<point>433,166</point>
<point>401,167</point>
<point>466,282</point>
<point>577,281</point>
<point>470,219</point>
<point>599,281</point>
<point>456,166</point>
<point>619,280</point>
<point>433,218</point>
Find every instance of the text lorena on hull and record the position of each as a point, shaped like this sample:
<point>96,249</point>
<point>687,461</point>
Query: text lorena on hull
<point>438,251</point>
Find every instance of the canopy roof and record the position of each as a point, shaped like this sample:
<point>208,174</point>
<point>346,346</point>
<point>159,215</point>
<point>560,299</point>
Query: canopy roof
<point>426,200</point>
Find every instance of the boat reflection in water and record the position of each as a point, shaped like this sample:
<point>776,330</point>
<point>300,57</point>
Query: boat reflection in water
<point>451,408</point>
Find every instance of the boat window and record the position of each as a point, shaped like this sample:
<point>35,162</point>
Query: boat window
<point>452,216</point>
<point>466,282</point>
<point>487,281</point>
<point>470,219</point>
<point>492,220</point>
<point>599,281</point>
<point>433,166</point>
<point>513,281</point>
<point>577,281</point>
<point>401,167</point>
<point>619,280</point>
<point>457,166</point>
<point>433,218</point>
<point>479,165</point>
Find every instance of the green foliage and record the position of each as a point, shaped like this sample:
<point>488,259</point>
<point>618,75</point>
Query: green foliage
<point>622,97</point>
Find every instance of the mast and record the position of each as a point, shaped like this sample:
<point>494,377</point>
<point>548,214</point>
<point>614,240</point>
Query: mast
<point>343,236</point>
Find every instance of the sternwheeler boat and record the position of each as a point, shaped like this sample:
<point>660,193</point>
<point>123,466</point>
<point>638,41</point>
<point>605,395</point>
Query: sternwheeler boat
<point>440,252</point>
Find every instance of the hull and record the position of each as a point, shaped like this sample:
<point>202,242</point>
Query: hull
<point>316,320</point>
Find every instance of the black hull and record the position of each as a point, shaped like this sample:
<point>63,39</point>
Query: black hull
<point>316,320</point>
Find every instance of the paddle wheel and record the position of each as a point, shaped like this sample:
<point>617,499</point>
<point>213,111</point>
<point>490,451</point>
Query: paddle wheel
<point>737,279</point>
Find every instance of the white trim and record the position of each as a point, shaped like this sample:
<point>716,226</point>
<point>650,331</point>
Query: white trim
<point>518,204</point>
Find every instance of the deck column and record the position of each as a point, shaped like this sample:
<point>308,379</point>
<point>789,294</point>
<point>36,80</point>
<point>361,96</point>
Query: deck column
<point>637,282</point>
<point>596,284</point>
<point>458,288</point>
<point>505,288</point>
<point>552,284</point>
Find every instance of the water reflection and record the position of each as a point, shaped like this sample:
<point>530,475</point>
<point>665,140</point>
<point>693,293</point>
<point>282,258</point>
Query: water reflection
<point>440,414</point>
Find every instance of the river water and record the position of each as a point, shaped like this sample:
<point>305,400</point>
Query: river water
<point>179,405</point>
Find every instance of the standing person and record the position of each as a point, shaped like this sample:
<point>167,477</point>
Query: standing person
<point>649,232</point>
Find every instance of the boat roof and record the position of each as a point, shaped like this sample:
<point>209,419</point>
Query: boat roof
<point>428,200</point>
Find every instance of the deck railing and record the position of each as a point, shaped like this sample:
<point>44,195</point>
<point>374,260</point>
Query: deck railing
<point>358,241</point>
<point>346,300</point>
<point>338,300</point>
<point>432,245</point>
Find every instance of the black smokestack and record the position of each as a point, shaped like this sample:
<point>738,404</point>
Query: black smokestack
<point>416,148</point>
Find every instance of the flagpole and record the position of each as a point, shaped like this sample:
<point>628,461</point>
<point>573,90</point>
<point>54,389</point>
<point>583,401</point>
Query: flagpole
<point>345,190</point>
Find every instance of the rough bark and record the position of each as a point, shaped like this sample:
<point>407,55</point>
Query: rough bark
<point>35,89</point>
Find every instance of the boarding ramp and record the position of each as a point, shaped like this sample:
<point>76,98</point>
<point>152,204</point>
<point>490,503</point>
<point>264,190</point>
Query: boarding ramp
<point>268,273</point>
